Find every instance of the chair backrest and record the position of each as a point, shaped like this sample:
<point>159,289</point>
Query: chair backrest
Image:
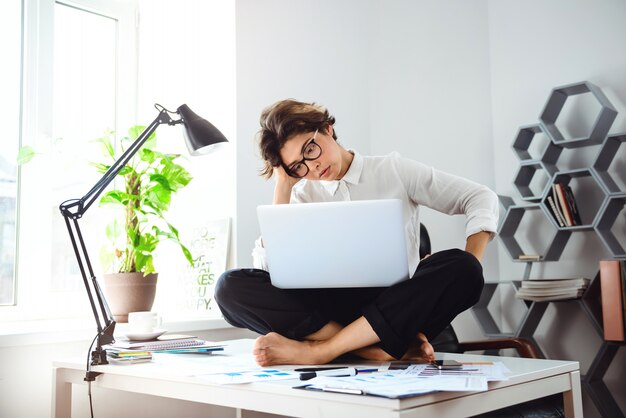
<point>425,248</point>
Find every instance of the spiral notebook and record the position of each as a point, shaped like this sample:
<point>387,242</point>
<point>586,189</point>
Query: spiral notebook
<point>164,342</point>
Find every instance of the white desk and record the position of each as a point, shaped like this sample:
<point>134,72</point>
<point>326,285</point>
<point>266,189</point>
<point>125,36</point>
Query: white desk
<point>530,379</point>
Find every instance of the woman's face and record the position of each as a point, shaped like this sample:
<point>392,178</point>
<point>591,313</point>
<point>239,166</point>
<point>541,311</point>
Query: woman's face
<point>301,148</point>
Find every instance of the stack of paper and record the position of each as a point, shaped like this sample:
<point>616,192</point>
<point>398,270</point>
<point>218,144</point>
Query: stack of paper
<point>416,379</point>
<point>552,289</point>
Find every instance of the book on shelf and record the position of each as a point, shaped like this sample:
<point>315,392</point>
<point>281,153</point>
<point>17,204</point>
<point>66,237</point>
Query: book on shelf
<point>552,289</point>
<point>623,275</point>
<point>555,283</point>
<point>563,204</point>
<point>550,298</point>
<point>529,257</point>
<point>555,213</point>
<point>612,299</point>
<point>571,204</point>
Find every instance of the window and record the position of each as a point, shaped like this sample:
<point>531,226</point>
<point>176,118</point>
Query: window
<point>10,85</point>
<point>89,66</point>
<point>79,78</point>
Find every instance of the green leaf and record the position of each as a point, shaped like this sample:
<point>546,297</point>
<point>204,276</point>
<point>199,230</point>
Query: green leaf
<point>147,155</point>
<point>25,154</point>
<point>107,145</point>
<point>113,230</point>
<point>135,131</point>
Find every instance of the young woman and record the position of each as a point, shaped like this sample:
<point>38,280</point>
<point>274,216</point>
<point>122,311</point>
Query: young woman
<point>299,146</point>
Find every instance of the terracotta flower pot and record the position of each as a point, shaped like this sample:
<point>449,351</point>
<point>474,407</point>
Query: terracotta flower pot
<point>129,292</point>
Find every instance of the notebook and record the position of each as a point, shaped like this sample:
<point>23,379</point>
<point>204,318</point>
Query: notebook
<point>164,342</point>
<point>335,244</point>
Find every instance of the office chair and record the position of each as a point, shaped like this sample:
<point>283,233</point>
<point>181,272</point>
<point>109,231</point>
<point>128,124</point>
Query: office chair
<point>447,341</point>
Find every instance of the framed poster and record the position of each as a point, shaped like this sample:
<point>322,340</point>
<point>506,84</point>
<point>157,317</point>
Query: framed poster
<point>208,244</point>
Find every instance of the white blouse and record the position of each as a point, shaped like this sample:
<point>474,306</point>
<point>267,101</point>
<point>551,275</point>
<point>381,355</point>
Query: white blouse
<point>416,184</point>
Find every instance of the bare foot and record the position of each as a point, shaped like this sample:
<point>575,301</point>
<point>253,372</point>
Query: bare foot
<point>272,349</point>
<point>421,351</point>
<point>373,353</point>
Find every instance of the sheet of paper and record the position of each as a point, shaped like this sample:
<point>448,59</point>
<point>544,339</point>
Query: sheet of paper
<point>261,375</point>
<point>393,384</point>
<point>194,365</point>
<point>491,371</point>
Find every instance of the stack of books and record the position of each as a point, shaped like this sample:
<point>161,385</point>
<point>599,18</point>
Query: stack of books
<point>167,343</point>
<point>563,205</point>
<point>552,289</point>
<point>120,356</point>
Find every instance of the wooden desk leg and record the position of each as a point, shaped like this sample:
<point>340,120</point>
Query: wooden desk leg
<point>61,394</point>
<point>572,399</point>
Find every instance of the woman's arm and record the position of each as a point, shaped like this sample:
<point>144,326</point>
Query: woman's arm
<point>476,244</point>
<point>283,186</point>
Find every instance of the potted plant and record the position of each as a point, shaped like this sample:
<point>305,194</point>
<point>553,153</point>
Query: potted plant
<point>150,179</point>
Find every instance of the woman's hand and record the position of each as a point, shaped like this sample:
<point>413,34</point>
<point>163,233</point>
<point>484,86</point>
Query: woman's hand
<point>283,186</point>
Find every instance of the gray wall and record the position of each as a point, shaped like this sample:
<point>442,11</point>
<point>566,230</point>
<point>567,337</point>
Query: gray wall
<point>534,46</point>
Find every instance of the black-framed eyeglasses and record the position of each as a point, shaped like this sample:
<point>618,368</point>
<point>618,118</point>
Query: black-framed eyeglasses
<point>311,151</point>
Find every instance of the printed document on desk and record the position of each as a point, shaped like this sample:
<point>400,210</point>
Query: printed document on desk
<point>415,380</point>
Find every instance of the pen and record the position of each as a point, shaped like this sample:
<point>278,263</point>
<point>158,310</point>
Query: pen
<point>342,372</point>
<point>317,369</point>
<point>343,390</point>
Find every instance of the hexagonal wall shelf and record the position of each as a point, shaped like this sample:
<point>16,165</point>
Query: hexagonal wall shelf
<point>526,148</point>
<point>594,381</point>
<point>589,196</point>
<point>601,204</point>
<point>483,315</point>
<point>610,216</point>
<point>509,228</point>
<point>533,179</point>
<point>592,303</point>
<point>605,158</point>
<point>555,104</point>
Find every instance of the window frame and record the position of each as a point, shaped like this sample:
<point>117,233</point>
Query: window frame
<point>37,126</point>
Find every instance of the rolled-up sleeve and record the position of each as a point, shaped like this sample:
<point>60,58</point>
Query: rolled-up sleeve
<point>259,258</point>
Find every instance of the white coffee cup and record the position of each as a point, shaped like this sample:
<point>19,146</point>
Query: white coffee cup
<point>143,322</point>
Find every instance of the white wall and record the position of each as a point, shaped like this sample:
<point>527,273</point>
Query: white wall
<point>307,50</point>
<point>430,101</point>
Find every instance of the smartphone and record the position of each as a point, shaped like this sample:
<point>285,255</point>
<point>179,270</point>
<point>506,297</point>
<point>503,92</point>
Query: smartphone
<point>447,364</point>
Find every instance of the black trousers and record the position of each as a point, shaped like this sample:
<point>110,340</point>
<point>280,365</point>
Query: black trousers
<point>444,285</point>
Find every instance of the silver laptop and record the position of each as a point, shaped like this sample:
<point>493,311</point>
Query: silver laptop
<point>335,244</point>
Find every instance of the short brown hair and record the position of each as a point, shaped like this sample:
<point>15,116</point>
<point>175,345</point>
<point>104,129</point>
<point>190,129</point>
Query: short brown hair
<point>281,121</point>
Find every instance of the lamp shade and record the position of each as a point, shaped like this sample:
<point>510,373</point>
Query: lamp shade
<point>201,136</point>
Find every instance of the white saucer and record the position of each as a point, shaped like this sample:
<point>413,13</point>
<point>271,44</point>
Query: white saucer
<point>145,336</point>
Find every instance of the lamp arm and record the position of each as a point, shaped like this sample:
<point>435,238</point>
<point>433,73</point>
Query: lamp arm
<point>73,210</point>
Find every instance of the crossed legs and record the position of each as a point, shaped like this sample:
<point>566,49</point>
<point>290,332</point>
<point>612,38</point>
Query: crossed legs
<point>316,326</point>
<point>330,342</point>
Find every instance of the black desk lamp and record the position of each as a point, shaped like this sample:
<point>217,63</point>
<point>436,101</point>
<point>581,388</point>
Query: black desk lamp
<point>201,138</point>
